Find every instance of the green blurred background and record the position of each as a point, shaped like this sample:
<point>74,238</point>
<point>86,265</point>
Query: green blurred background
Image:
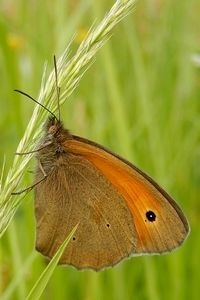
<point>141,99</point>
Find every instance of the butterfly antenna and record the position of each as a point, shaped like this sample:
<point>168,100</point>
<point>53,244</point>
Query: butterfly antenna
<point>57,87</point>
<point>28,96</point>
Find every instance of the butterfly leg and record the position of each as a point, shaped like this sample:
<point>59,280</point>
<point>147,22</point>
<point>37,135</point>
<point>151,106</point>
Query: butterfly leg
<point>28,189</point>
<point>33,151</point>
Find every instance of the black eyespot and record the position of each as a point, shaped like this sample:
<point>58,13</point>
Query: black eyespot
<point>108,225</point>
<point>151,216</point>
<point>74,238</point>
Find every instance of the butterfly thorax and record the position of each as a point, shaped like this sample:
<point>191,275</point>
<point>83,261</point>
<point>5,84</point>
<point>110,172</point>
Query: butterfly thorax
<point>52,146</point>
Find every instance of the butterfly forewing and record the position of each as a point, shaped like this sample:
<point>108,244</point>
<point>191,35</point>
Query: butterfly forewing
<point>159,222</point>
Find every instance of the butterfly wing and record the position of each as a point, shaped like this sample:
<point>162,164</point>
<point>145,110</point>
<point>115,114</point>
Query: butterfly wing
<point>76,192</point>
<point>159,222</point>
<point>120,210</point>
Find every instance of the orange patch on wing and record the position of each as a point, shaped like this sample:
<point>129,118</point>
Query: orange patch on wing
<point>138,193</point>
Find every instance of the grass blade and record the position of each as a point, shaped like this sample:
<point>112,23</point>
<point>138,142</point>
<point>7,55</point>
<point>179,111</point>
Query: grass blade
<point>43,280</point>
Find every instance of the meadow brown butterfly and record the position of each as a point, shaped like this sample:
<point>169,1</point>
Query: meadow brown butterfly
<point>120,210</point>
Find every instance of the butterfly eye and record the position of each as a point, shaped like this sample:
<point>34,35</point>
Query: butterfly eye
<point>151,216</point>
<point>53,129</point>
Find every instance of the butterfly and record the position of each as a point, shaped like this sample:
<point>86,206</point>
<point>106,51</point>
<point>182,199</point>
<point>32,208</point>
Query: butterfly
<point>120,210</point>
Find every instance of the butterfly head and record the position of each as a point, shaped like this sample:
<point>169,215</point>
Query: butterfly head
<point>53,126</point>
<point>55,130</point>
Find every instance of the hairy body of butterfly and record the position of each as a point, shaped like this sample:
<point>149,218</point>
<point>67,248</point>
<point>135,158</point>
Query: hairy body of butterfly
<point>120,210</point>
